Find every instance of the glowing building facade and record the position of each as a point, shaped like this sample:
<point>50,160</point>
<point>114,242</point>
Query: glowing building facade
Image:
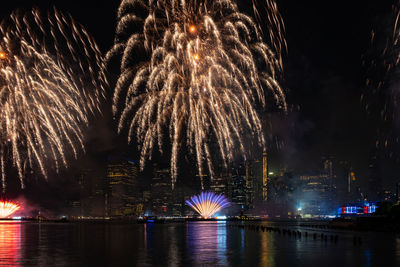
<point>161,191</point>
<point>239,190</point>
<point>222,182</point>
<point>245,184</point>
<point>265,175</point>
<point>122,198</point>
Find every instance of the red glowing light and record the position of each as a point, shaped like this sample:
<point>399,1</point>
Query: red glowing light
<point>3,55</point>
<point>7,208</point>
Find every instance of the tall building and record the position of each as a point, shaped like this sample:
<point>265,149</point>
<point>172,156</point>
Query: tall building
<point>122,187</point>
<point>177,202</point>
<point>328,170</point>
<point>92,196</point>
<point>375,178</point>
<point>347,186</point>
<point>249,185</point>
<point>341,184</point>
<point>222,183</point>
<point>88,198</point>
<point>353,190</point>
<point>161,191</point>
<point>281,186</point>
<point>265,175</point>
<point>258,181</point>
<point>238,192</point>
<point>316,194</point>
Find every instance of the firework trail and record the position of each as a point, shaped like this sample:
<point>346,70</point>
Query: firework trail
<point>207,204</point>
<point>48,87</point>
<point>197,69</point>
<point>381,96</point>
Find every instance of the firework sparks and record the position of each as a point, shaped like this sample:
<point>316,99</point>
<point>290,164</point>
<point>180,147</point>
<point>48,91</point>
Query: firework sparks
<point>7,208</point>
<point>381,95</point>
<point>48,88</point>
<point>198,69</point>
<point>207,204</point>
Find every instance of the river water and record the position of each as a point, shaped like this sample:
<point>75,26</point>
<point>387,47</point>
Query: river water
<point>188,244</point>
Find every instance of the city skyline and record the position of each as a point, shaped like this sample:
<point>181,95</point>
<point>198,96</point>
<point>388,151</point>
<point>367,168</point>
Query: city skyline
<point>200,133</point>
<point>297,141</point>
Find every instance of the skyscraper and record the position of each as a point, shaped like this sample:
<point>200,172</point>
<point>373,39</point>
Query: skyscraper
<point>122,187</point>
<point>316,199</point>
<point>238,194</point>
<point>265,175</point>
<point>375,178</point>
<point>258,180</point>
<point>222,182</point>
<point>161,191</point>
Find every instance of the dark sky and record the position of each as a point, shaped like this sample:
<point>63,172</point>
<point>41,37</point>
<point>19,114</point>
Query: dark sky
<point>323,75</point>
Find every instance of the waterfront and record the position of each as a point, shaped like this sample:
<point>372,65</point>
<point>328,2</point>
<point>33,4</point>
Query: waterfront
<point>188,244</point>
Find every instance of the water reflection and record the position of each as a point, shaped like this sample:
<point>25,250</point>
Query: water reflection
<point>221,241</point>
<point>185,244</point>
<point>148,236</point>
<point>206,243</point>
<point>367,258</point>
<point>147,243</point>
<point>242,240</point>
<point>173,254</point>
<point>267,250</point>
<point>10,243</point>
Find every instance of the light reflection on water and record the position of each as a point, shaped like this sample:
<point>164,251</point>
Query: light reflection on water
<point>10,243</point>
<point>185,244</point>
<point>202,242</point>
<point>221,241</point>
<point>207,243</point>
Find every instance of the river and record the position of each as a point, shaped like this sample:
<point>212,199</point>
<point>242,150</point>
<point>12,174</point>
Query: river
<point>189,244</point>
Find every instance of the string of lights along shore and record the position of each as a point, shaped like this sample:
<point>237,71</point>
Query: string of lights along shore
<point>198,72</point>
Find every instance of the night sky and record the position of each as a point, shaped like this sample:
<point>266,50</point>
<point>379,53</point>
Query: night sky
<point>324,78</point>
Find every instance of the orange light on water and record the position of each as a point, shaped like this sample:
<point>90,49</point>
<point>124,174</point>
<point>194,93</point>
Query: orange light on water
<point>10,243</point>
<point>196,57</point>
<point>3,55</point>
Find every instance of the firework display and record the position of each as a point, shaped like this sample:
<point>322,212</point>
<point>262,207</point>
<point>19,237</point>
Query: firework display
<point>381,96</point>
<point>50,81</point>
<point>197,71</point>
<point>7,208</point>
<point>207,204</point>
